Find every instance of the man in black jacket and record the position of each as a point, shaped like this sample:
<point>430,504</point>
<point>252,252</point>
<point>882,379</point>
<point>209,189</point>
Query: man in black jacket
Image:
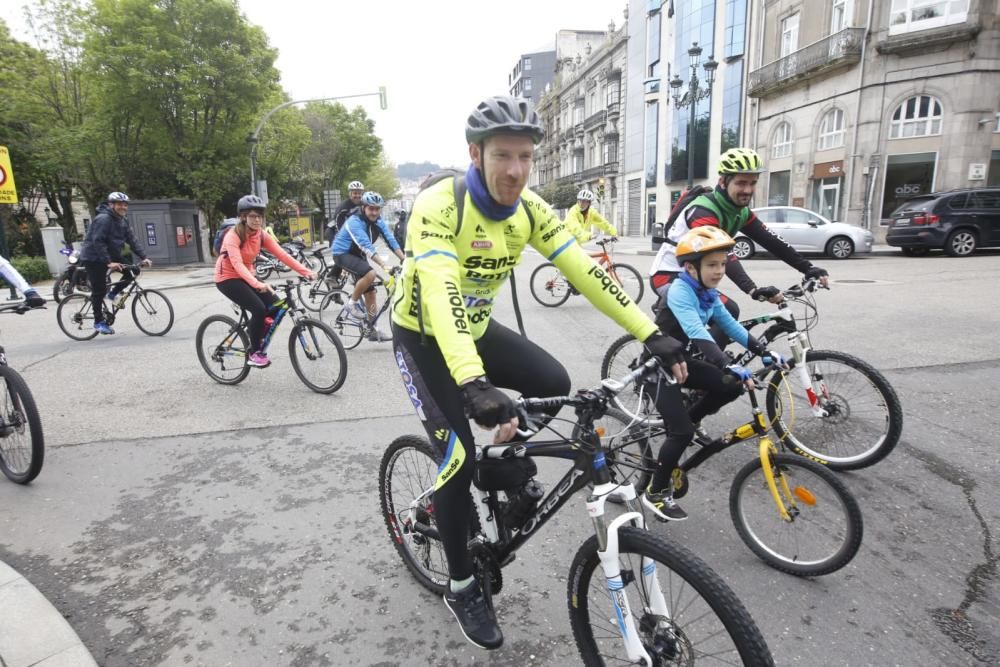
<point>354,191</point>
<point>102,250</point>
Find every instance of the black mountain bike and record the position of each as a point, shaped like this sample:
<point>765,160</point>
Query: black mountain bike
<point>151,311</point>
<point>633,597</point>
<point>352,331</point>
<point>316,352</point>
<point>22,445</point>
<point>329,278</point>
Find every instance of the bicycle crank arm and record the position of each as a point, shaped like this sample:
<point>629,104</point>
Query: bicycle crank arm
<point>611,566</point>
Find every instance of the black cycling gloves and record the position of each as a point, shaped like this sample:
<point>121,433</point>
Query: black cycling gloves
<point>816,273</point>
<point>764,293</point>
<point>485,404</point>
<point>668,350</point>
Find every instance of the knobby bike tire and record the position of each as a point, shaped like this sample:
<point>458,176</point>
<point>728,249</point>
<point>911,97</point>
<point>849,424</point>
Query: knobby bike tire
<point>828,514</point>
<point>708,622</point>
<point>549,287</point>
<point>76,317</point>
<point>152,312</point>
<point>213,355</point>
<point>858,433</point>
<point>630,280</point>
<point>312,342</point>
<point>408,467</point>
<point>616,363</point>
<point>350,331</point>
<point>20,412</point>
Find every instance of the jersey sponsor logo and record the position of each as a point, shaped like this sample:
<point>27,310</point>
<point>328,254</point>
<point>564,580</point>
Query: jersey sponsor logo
<point>489,263</point>
<point>432,235</point>
<point>411,389</point>
<point>483,244</point>
<point>509,229</point>
<point>442,434</point>
<point>481,316</point>
<point>609,285</point>
<point>552,232</point>
<point>457,308</point>
<point>478,302</point>
<point>480,230</point>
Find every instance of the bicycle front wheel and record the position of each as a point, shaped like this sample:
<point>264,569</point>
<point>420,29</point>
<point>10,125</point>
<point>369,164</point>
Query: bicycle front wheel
<point>22,445</point>
<point>311,295</point>
<point>683,611</point>
<point>351,331</point>
<point>549,286</point>
<point>152,312</point>
<point>824,528</point>
<point>223,348</point>
<point>627,447</point>
<point>76,317</point>
<point>630,280</point>
<point>863,418</point>
<point>317,356</point>
<point>621,359</point>
<point>408,470</point>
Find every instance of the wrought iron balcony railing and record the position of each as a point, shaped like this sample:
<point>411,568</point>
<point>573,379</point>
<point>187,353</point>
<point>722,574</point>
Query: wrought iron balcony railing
<point>840,49</point>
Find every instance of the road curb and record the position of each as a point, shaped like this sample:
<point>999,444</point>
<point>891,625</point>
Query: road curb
<point>33,632</point>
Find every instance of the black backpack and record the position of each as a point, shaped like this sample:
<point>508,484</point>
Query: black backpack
<point>226,225</point>
<point>459,188</point>
<point>682,203</point>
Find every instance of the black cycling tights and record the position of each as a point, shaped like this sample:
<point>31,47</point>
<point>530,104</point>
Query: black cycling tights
<point>720,387</point>
<point>511,361</point>
<point>256,303</point>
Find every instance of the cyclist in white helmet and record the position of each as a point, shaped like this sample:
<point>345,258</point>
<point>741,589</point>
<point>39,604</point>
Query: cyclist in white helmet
<point>354,191</point>
<point>582,217</point>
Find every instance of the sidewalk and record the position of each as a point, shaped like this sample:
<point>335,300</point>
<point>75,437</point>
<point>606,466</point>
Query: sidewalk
<point>32,632</point>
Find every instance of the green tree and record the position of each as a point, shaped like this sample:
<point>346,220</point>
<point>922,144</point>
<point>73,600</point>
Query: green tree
<point>382,178</point>
<point>559,194</point>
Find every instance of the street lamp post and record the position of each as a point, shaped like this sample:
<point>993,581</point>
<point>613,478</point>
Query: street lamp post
<point>253,139</point>
<point>695,93</point>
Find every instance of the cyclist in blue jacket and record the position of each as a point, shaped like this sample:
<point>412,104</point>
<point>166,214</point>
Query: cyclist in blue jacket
<point>354,248</point>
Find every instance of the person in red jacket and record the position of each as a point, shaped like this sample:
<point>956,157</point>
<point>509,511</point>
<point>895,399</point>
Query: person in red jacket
<point>234,274</point>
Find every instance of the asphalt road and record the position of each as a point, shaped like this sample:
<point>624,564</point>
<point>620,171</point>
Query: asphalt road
<point>178,521</point>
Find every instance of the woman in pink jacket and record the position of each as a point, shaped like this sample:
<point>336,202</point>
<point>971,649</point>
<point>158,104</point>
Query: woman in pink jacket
<point>234,274</point>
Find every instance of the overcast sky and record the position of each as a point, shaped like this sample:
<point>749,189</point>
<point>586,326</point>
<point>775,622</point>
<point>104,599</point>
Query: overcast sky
<point>437,58</point>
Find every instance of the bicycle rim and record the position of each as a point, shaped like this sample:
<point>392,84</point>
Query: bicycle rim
<point>22,445</point>
<point>825,529</point>
<point>317,356</point>
<point>76,317</point>
<point>409,467</point>
<point>636,400</point>
<point>152,312</point>
<point>549,286</point>
<point>332,312</point>
<point>627,449</point>
<point>864,418</point>
<point>704,621</point>
<point>311,295</point>
<point>223,349</point>
<point>630,280</point>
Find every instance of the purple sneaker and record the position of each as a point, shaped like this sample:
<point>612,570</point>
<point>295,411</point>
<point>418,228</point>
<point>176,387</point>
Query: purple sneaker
<point>259,360</point>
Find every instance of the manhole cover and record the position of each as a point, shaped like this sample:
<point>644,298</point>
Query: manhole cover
<point>857,281</point>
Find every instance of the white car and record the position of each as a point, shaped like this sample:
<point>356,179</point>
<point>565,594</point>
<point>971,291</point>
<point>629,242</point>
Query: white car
<point>807,232</point>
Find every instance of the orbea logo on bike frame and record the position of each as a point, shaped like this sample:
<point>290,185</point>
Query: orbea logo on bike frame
<point>410,389</point>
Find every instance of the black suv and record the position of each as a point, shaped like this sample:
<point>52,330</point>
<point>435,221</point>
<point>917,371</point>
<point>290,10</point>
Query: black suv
<point>958,221</point>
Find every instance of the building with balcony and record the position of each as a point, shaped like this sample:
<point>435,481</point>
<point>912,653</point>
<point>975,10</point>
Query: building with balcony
<point>859,104</point>
<point>582,117</point>
<point>661,36</point>
<point>532,74</point>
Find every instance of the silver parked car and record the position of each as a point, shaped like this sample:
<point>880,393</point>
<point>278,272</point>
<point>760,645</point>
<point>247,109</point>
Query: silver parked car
<point>808,232</point>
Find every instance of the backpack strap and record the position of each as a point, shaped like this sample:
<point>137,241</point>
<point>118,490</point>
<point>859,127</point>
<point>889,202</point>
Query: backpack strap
<point>513,283</point>
<point>459,188</point>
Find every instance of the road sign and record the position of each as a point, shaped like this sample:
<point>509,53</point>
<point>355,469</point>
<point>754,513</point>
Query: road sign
<point>8,191</point>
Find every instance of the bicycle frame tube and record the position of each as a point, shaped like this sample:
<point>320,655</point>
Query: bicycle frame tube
<point>274,325</point>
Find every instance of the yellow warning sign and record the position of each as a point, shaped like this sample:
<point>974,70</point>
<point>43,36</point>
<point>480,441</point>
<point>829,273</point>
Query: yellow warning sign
<point>300,229</point>
<point>8,193</point>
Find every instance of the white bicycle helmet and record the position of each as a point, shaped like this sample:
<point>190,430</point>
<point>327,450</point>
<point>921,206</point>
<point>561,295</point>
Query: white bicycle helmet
<point>585,195</point>
<point>355,185</point>
<point>372,199</point>
<point>117,196</point>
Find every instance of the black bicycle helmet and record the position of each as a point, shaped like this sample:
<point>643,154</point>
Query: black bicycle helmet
<point>250,202</point>
<point>503,115</point>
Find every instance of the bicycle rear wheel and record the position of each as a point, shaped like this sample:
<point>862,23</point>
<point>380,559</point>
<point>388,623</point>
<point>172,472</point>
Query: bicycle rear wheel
<point>317,356</point>
<point>152,312</point>
<point>22,445</point>
<point>409,468</point>
<point>223,348</point>
<point>76,317</point>
<point>825,529</point>
<point>705,621</point>
<point>311,295</point>
<point>864,418</point>
<point>630,280</point>
<point>621,359</point>
<point>350,330</point>
<point>549,286</point>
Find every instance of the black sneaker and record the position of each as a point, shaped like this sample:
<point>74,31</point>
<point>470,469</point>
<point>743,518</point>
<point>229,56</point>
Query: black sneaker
<point>662,505</point>
<point>475,616</point>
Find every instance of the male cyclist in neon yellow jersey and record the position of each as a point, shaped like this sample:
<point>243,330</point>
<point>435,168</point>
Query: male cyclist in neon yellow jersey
<point>582,217</point>
<point>451,352</point>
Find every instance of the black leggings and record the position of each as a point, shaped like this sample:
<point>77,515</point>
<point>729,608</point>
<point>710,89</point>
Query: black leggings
<point>97,275</point>
<point>256,303</point>
<point>720,387</point>
<point>512,362</point>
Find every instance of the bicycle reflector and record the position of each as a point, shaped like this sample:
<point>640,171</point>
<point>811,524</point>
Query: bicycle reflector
<point>599,430</point>
<point>805,495</point>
